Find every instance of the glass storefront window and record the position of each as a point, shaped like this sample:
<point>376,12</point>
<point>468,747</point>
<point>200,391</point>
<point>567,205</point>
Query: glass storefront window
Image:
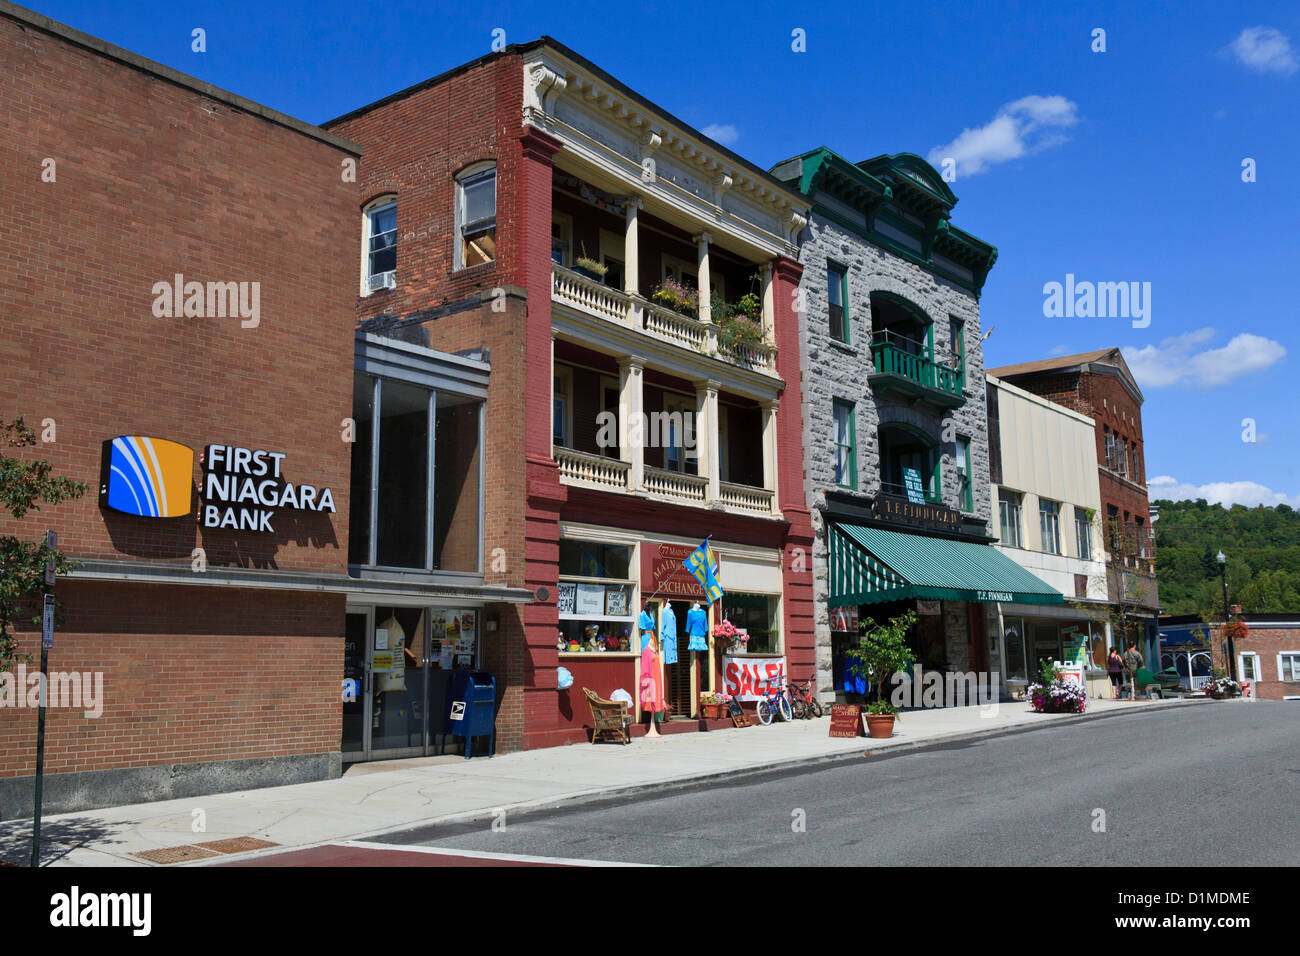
<point>456,486</point>
<point>592,559</point>
<point>390,525</point>
<point>756,613</point>
<point>596,598</point>
<point>402,523</point>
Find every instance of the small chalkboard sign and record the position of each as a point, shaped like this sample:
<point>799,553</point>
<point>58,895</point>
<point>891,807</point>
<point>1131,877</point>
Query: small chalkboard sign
<point>737,714</point>
<point>846,720</point>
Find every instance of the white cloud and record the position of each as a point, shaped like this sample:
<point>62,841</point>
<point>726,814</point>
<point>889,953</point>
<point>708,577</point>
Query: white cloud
<point>726,134</point>
<point>1226,493</point>
<point>1175,361</point>
<point>1029,125</point>
<point>1264,50</point>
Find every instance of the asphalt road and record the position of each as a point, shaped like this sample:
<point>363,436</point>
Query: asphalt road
<point>1209,785</point>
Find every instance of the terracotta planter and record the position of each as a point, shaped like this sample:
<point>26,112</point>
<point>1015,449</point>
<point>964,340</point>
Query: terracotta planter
<point>713,711</point>
<point>880,725</point>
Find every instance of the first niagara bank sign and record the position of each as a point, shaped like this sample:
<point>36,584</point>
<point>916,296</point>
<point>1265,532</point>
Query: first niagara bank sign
<point>242,489</point>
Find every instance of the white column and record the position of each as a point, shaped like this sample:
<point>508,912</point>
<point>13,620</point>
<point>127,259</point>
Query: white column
<point>769,306</point>
<point>702,245</point>
<point>631,406</point>
<point>769,452</point>
<point>706,434</point>
<point>632,248</point>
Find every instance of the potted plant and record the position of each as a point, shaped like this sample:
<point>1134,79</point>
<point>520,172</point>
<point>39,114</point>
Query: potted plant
<point>732,638</point>
<point>590,268</point>
<point>1236,630</point>
<point>1220,686</point>
<point>671,294</point>
<point>713,705</point>
<point>881,652</point>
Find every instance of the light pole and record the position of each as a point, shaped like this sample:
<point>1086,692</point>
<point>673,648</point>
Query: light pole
<point>1232,651</point>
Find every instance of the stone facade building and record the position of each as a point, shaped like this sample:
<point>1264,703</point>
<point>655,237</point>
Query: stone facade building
<point>895,427</point>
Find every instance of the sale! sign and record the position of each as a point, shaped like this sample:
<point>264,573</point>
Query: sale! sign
<point>749,678</point>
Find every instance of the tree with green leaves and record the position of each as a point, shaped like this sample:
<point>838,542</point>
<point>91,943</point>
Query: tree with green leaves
<point>25,484</point>
<point>881,652</point>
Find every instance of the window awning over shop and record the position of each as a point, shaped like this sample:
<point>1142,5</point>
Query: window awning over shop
<point>870,565</point>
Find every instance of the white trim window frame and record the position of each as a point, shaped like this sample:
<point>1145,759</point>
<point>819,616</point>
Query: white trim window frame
<point>475,221</point>
<point>379,244</point>
<point>1010,505</point>
<point>1255,670</point>
<point>1083,533</point>
<point>1288,666</point>
<point>1049,524</point>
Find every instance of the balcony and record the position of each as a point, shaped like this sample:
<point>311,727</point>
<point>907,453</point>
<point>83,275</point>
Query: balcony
<point>906,368</point>
<point>584,470</point>
<point>594,298</point>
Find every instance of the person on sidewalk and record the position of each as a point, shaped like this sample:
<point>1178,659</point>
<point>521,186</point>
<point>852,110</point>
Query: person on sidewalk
<point>1132,661</point>
<point>1115,666</point>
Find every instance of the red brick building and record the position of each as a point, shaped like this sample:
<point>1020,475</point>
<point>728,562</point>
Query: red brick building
<point>525,207</point>
<point>1268,657</point>
<point>218,648</point>
<point>1099,384</point>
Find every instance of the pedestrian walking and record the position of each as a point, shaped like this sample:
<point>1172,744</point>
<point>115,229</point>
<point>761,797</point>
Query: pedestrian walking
<point>1132,661</point>
<point>1115,666</point>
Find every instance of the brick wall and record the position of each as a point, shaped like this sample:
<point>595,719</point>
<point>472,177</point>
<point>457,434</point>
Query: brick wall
<point>169,181</point>
<point>151,178</point>
<point>1267,640</point>
<point>190,674</point>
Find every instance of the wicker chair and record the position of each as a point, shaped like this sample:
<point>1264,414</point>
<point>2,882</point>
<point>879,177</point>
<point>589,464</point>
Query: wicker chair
<point>609,716</point>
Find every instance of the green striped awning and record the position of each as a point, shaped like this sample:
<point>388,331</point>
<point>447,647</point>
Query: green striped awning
<point>870,565</point>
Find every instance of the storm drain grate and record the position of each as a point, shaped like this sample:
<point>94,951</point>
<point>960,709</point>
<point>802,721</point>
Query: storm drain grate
<point>237,845</point>
<point>175,854</point>
<point>200,851</point>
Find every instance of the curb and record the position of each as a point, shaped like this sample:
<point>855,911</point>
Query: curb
<point>583,797</point>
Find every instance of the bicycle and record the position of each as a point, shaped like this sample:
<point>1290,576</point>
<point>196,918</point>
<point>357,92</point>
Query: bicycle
<point>803,699</point>
<point>775,701</point>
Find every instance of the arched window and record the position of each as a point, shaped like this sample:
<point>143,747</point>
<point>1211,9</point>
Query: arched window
<point>379,245</point>
<point>909,463</point>
<point>476,215</point>
<point>901,324</point>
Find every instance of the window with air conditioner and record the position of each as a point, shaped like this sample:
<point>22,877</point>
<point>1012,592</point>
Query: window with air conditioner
<point>379,230</point>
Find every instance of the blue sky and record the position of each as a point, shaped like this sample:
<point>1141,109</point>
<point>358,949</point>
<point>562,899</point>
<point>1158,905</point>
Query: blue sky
<point>1123,165</point>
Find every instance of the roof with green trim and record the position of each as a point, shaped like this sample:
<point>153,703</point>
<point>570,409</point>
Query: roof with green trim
<point>909,192</point>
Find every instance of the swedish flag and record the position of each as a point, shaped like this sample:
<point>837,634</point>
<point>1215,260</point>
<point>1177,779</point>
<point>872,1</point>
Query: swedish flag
<point>703,565</point>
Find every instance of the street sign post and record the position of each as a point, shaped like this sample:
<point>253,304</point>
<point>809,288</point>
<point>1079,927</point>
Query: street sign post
<point>47,642</point>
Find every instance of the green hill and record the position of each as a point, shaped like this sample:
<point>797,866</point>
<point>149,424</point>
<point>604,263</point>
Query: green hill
<point>1263,550</point>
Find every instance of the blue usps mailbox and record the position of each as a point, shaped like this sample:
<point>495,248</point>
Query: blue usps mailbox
<point>471,709</point>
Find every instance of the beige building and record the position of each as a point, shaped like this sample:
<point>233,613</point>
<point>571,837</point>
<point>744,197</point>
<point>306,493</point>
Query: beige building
<point>1046,503</point>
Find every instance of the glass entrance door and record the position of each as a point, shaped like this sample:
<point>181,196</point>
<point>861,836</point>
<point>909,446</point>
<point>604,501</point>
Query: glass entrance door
<point>397,664</point>
<point>356,687</point>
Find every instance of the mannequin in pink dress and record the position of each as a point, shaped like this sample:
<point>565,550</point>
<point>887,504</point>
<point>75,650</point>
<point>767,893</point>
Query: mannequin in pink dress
<point>652,692</point>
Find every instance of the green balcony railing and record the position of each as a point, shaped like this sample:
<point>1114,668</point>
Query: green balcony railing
<point>895,355</point>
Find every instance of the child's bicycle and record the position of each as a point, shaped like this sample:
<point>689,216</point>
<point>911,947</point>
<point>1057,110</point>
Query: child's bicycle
<point>774,701</point>
<point>803,699</point>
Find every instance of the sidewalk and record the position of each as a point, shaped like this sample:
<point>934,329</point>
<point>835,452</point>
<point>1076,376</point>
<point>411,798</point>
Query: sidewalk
<point>372,799</point>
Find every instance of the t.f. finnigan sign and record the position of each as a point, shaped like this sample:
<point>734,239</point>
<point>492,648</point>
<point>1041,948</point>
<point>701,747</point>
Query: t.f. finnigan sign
<point>243,488</point>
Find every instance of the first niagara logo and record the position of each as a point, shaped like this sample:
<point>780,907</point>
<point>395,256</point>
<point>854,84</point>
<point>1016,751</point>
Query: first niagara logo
<point>146,477</point>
